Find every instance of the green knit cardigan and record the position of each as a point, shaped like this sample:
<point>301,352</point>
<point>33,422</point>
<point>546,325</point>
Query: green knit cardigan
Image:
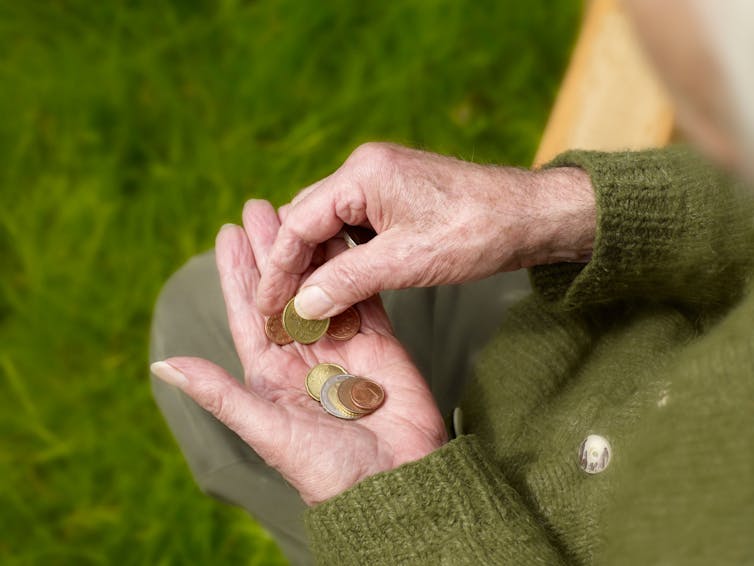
<point>650,345</point>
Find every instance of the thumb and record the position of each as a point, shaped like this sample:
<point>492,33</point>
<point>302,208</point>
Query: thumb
<point>257,421</point>
<point>353,276</point>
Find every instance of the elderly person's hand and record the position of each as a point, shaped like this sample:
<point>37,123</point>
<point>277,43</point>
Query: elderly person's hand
<point>317,453</point>
<point>439,220</point>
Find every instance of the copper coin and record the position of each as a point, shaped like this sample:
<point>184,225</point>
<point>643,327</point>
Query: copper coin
<point>344,395</point>
<point>273,327</point>
<point>345,325</point>
<point>366,394</point>
<point>360,395</point>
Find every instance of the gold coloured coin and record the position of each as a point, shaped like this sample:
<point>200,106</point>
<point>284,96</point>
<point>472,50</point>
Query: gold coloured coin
<point>330,401</point>
<point>361,395</point>
<point>301,330</point>
<point>318,375</point>
<point>345,325</point>
<point>273,327</point>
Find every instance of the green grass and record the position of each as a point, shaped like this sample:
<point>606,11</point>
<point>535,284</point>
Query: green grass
<point>129,132</point>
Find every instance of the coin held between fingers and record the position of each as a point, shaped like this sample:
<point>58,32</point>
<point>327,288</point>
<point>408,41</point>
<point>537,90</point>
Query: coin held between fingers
<point>312,302</point>
<point>356,235</point>
<point>302,330</point>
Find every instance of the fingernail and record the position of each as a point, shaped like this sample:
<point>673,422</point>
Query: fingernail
<point>312,303</point>
<point>169,374</point>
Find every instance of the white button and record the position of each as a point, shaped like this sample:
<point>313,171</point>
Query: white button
<point>458,421</point>
<point>594,454</point>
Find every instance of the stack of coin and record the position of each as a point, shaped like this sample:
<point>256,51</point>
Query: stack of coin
<point>341,394</point>
<point>288,326</point>
<point>360,395</point>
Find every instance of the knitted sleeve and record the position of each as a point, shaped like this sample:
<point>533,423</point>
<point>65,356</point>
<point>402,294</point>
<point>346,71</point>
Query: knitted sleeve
<point>452,507</point>
<point>669,228</point>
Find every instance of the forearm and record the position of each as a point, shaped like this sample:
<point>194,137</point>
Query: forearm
<point>563,218</point>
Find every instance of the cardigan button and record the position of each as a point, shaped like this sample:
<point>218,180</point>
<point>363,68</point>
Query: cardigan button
<point>594,454</point>
<point>457,422</point>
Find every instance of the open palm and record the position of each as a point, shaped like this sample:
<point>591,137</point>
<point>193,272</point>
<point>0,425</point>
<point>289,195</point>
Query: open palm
<point>320,455</point>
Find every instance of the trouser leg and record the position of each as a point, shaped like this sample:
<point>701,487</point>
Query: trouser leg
<point>442,327</point>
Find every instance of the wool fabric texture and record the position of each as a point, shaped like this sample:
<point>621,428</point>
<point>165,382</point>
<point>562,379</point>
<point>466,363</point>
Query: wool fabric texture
<point>650,345</point>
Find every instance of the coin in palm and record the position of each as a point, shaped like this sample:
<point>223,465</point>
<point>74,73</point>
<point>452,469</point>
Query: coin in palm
<point>360,395</point>
<point>317,376</point>
<point>275,331</point>
<point>345,325</point>
<point>330,400</point>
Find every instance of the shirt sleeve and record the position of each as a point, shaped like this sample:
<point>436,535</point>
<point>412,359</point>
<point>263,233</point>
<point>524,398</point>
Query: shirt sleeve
<point>669,227</point>
<point>451,507</point>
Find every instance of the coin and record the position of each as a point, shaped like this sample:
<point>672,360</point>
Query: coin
<point>360,395</point>
<point>344,396</point>
<point>318,375</point>
<point>357,235</point>
<point>301,330</point>
<point>366,394</point>
<point>330,401</point>
<point>273,327</point>
<point>345,325</point>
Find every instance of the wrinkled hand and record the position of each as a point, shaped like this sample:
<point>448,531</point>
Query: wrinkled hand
<point>317,453</point>
<point>439,220</point>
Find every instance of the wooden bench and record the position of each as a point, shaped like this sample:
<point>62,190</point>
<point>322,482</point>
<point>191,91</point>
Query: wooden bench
<point>610,98</point>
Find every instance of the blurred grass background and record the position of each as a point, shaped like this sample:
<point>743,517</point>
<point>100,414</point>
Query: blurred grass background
<point>129,132</point>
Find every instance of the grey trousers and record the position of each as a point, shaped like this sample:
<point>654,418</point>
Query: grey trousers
<point>442,327</point>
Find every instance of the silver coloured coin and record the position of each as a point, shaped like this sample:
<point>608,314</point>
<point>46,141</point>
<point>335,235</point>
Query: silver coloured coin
<point>348,239</point>
<point>328,398</point>
<point>356,235</point>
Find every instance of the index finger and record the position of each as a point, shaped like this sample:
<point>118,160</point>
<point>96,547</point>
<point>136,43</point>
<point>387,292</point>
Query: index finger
<point>314,219</point>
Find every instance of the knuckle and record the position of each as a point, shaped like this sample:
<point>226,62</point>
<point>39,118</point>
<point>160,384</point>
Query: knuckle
<point>293,252</point>
<point>351,207</point>
<point>374,155</point>
<point>373,170</point>
<point>215,397</point>
<point>349,277</point>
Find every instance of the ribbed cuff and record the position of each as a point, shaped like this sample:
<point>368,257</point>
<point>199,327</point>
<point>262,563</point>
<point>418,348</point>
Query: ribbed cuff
<point>452,504</point>
<point>646,204</point>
